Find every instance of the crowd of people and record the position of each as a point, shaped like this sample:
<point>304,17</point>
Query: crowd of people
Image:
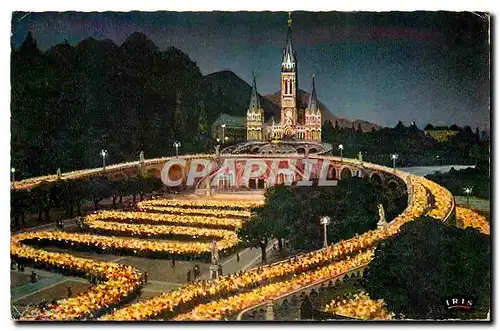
<point>119,282</point>
<point>217,309</point>
<point>188,219</point>
<point>359,306</point>
<point>471,218</point>
<point>225,238</point>
<point>216,298</point>
<point>194,211</point>
<point>345,250</point>
<point>242,205</point>
<point>116,282</point>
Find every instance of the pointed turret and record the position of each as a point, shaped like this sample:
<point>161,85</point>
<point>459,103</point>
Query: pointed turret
<point>289,55</point>
<point>313,100</point>
<point>254,99</point>
<point>255,115</point>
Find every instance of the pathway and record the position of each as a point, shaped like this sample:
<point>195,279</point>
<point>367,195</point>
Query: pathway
<point>249,258</point>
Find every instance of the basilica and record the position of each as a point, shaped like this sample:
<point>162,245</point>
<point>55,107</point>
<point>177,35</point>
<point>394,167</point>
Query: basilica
<point>306,127</point>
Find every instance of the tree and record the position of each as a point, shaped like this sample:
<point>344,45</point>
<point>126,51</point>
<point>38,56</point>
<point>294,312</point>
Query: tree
<point>306,309</point>
<point>99,189</point>
<point>256,232</point>
<point>79,191</point>
<point>428,261</point>
<point>429,127</point>
<point>327,131</point>
<point>29,46</point>
<point>359,130</point>
<point>41,200</point>
<point>202,119</point>
<point>116,188</point>
<point>293,213</point>
<point>20,204</point>
<point>400,127</point>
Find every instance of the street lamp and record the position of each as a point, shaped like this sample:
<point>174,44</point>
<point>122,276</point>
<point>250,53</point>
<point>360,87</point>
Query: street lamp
<point>223,126</point>
<point>13,171</point>
<point>177,144</point>
<point>226,138</point>
<point>104,155</point>
<point>218,140</point>
<point>468,191</point>
<point>341,148</point>
<point>394,157</point>
<point>325,220</point>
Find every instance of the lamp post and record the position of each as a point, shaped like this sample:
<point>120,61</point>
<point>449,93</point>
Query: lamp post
<point>218,140</point>
<point>325,220</point>
<point>104,155</point>
<point>341,148</point>
<point>468,191</point>
<point>223,126</point>
<point>226,138</point>
<point>394,157</point>
<point>13,171</point>
<point>177,144</point>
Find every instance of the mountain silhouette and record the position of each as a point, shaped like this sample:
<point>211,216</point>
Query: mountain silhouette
<point>71,101</point>
<point>234,93</point>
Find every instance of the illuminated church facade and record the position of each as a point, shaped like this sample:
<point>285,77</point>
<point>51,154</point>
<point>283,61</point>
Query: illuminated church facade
<point>289,128</point>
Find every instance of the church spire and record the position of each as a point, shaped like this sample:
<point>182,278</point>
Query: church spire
<point>289,56</point>
<point>313,100</point>
<point>254,99</point>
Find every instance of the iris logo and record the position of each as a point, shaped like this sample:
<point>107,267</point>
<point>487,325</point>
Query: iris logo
<point>459,302</point>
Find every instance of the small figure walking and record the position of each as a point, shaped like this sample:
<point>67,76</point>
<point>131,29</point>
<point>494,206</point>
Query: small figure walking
<point>145,277</point>
<point>196,271</point>
<point>189,276</point>
<point>33,277</point>
<point>238,257</point>
<point>70,292</point>
<point>173,262</point>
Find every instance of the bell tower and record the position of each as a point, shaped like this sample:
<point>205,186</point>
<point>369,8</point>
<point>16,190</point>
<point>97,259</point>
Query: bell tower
<point>289,85</point>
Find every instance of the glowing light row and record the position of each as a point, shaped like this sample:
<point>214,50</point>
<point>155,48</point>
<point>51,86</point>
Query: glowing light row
<point>188,220</point>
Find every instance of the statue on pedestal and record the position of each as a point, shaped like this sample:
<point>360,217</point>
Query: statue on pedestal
<point>360,156</point>
<point>215,253</point>
<point>217,154</point>
<point>382,222</point>
<point>409,189</point>
<point>215,267</point>
<point>141,156</point>
<point>269,311</point>
<point>58,173</point>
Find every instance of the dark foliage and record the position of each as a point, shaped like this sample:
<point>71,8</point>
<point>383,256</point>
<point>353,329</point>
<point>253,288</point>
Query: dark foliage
<point>416,270</point>
<point>70,102</point>
<point>414,146</point>
<point>456,180</point>
<point>293,213</point>
<point>71,194</point>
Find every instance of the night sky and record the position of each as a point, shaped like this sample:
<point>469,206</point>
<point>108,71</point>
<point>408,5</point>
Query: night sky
<point>380,67</point>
